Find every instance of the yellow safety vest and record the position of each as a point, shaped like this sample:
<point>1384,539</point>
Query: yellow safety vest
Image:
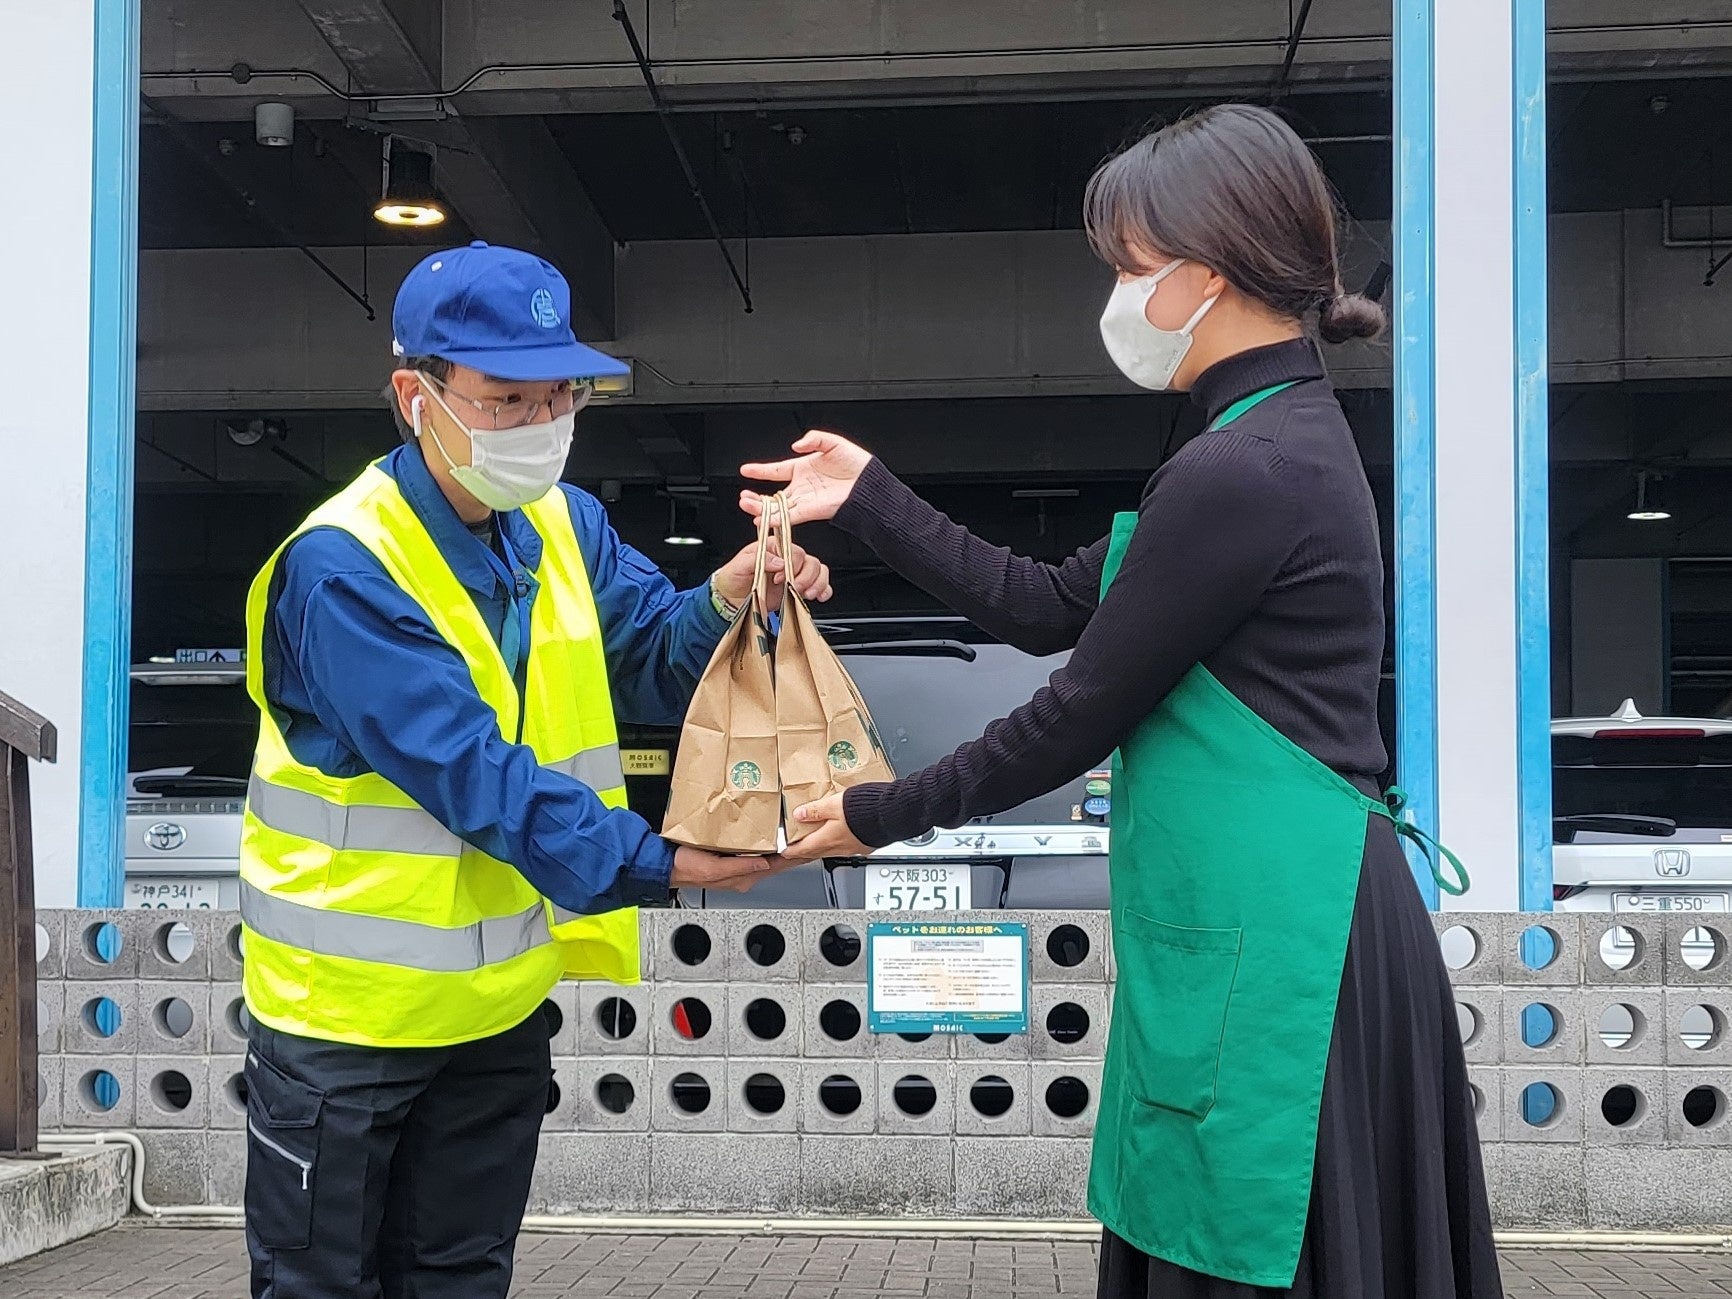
<point>367,920</point>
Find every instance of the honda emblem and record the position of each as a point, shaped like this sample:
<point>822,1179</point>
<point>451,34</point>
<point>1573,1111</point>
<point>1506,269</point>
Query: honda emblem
<point>1673,862</point>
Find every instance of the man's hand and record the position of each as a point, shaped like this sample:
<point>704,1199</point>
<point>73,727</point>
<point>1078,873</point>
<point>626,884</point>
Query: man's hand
<point>696,869</point>
<point>829,837</point>
<point>811,575</point>
<point>820,479</point>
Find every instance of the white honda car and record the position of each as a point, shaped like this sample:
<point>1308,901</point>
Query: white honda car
<point>1642,814</point>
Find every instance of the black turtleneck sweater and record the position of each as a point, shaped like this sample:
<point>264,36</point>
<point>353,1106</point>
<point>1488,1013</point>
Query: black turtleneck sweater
<point>1256,554</point>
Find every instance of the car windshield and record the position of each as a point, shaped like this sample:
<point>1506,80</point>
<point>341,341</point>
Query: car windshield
<point>1685,780</point>
<point>931,690</point>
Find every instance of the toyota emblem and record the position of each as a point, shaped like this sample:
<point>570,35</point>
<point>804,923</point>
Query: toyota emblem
<point>165,836</point>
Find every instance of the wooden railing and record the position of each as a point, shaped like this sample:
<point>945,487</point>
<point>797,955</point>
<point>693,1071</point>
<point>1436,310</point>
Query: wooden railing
<point>25,737</point>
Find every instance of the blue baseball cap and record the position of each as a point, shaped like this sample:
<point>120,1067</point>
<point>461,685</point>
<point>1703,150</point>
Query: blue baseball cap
<point>502,311</point>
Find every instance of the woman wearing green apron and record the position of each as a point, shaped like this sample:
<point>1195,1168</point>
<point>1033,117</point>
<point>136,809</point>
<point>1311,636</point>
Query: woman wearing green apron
<point>1285,1107</point>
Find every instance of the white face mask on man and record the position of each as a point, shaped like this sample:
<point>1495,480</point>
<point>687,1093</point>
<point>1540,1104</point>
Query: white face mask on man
<point>508,468</point>
<point>1148,355</point>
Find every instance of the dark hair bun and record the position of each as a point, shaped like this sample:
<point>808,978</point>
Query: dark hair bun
<point>1349,315</point>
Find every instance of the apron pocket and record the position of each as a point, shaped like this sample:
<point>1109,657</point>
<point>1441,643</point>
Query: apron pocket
<point>282,1149</point>
<point>1176,983</point>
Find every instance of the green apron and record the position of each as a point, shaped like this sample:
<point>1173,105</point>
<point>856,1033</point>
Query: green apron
<point>1235,864</point>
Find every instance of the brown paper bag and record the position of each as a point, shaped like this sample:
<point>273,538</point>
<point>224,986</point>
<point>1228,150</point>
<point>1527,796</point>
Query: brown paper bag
<point>726,793</point>
<point>825,740</point>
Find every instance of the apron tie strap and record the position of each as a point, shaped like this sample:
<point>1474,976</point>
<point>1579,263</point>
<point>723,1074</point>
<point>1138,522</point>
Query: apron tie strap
<point>1395,803</point>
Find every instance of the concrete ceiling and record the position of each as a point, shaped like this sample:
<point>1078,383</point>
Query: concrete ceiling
<point>1627,144</point>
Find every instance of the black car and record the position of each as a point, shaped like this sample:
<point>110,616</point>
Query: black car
<point>931,684</point>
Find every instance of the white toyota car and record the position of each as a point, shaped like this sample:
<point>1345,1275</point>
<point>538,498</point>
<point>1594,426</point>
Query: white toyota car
<point>192,736</point>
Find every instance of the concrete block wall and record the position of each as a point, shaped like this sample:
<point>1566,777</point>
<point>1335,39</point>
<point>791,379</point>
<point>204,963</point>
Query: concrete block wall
<point>739,1078</point>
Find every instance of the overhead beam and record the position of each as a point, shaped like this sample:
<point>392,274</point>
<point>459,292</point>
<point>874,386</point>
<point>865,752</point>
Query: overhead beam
<point>507,177</point>
<point>554,56</point>
<point>372,39</point>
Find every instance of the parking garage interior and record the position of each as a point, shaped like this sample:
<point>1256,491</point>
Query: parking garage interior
<point>891,250</point>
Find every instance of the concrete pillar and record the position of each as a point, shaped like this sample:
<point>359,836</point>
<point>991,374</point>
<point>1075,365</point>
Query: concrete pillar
<point>70,226</point>
<point>1618,635</point>
<point>1473,669</point>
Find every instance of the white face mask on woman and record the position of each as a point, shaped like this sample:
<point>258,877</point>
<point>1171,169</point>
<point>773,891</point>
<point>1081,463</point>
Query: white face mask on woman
<point>508,468</point>
<point>1149,356</point>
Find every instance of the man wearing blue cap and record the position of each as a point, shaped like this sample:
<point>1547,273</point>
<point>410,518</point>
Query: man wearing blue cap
<point>436,829</point>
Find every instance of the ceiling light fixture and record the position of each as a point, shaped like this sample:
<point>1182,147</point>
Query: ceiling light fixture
<point>1650,508</point>
<point>608,387</point>
<point>408,197</point>
<point>676,536</point>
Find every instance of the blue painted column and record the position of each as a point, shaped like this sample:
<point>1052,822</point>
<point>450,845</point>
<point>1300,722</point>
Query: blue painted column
<point>1472,584</point>
<point>1533,455</point>
<point>108,502</point>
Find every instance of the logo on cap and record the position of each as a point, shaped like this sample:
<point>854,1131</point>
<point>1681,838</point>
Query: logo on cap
<point>542,308</point>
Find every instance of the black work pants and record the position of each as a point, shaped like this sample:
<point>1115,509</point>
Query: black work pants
<point>390,1172</point>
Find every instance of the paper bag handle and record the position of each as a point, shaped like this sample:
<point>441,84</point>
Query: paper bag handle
<point>781,527</point>
<point>760,574</point>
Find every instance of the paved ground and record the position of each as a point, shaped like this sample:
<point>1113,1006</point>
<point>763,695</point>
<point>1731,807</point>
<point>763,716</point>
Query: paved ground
<point>137,1262</point>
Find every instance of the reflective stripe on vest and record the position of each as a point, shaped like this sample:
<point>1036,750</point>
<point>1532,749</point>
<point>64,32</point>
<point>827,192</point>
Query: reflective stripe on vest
<point>369,828</point>
<point>384,941</point>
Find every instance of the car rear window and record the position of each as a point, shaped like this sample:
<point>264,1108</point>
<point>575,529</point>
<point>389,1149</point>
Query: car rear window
<point>928,698</point>
<point>209,728</point>
<point>1686,780</point>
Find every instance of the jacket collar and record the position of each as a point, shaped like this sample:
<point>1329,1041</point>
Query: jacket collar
<point>1225,382</point>
<point>471,560</point>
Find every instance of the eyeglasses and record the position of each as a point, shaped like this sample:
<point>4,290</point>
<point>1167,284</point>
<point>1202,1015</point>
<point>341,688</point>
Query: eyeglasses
<point>570,396</point>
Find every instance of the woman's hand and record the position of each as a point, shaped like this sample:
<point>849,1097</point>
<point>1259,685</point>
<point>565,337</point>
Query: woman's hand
<point>819,480</point>
<point>810,576</point>
<point>830,835</point>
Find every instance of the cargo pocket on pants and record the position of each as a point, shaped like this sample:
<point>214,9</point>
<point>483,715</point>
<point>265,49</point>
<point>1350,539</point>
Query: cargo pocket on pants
<point>1176,982</point>
<point>282,1152</point>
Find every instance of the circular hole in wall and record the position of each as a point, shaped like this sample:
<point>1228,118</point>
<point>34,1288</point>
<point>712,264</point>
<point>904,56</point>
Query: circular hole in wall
<point>692,1019</point>
<point>839,1021</point>
<point>691,944</point>
<point>915,1095</point>
<point>1623,1106</point>
<point>765,1094</point>
<point>765,1019</point>
<point>765,944</point>
<point>175,943</point>
<point>173,1018</point>
<point>839,945</point>
<point>614,1093</point>
<point>690,1093</point>
<point>1068,946</point>
<point>615,1018</point>
<point>1067,1097</point>
<point>839,1094</point>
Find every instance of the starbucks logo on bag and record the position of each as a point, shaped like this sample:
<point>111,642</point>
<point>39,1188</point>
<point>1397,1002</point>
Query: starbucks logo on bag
<point>746,775</point>
<point>844,756</point>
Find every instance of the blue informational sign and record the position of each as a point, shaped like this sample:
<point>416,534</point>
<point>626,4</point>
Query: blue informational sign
<point>947,976</point>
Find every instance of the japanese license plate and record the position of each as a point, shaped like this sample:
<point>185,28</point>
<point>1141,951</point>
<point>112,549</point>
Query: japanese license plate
<point>1669,903</point>
<point>173,893</point>
<point>919,888</point>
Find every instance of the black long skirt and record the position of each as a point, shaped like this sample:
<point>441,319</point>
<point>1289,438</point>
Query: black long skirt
<point>1398,1206</point>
